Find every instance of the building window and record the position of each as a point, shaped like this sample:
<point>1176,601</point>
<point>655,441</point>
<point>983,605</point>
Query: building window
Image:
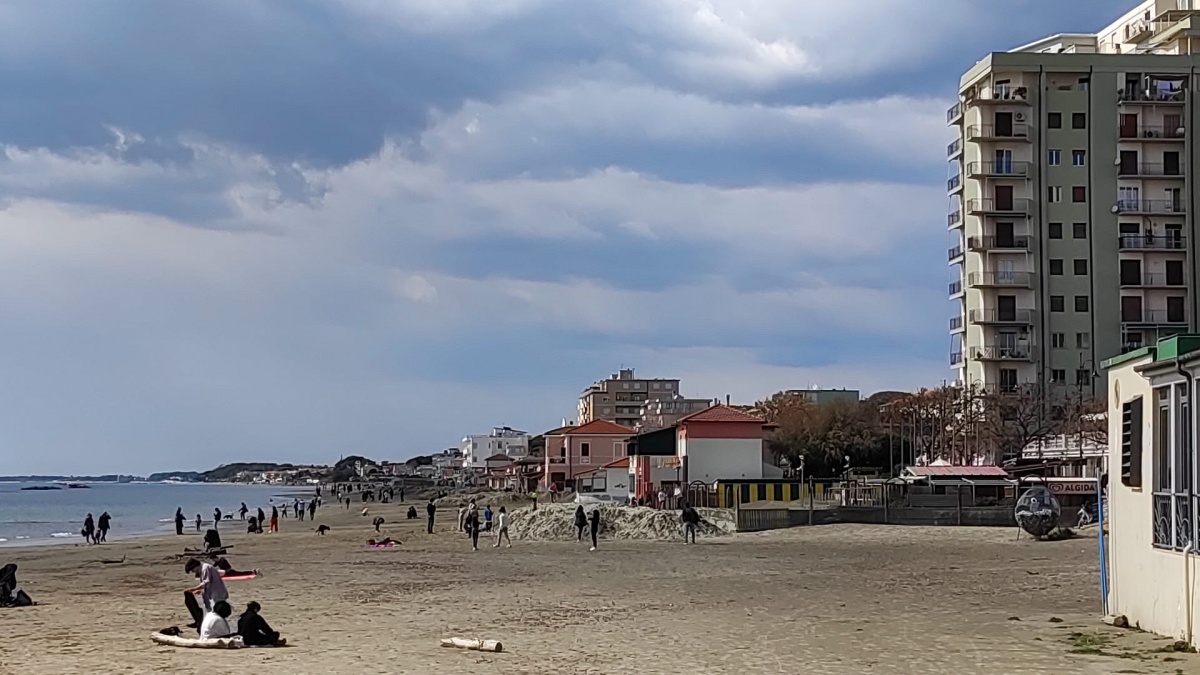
<point>1078,120</point>
<point>1056,303</point>
<point>1055,230</point>
<point>585,452</point>
<point>1054,120</point>
<point>1054,194</point>
<point>1083,340</point>
<point>1174,524</point>
<point>1079,194</point>
<point>1079,230</point>
<point>1083,377</point>
<point>618,449</point>
<point>1131,443</point>
<point>1078,157</point>
<point>1054,157</point>
<point>1081,266</point>
<point>1058,376</point>
<point>624,385</point>
<point>1058,340</point>
<point>1056,267</point>
<point>1081,303</point>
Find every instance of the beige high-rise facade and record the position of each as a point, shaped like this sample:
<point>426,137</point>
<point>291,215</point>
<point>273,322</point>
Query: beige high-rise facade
<point>1072,206</point>
<point>620,397</point>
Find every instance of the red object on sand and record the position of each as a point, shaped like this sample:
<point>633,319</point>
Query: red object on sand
<point>239,577</point>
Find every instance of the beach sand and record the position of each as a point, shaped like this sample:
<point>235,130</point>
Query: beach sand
<point>836,599</point>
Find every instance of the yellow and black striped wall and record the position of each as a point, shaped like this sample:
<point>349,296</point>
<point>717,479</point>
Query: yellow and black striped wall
<point>732,493</point>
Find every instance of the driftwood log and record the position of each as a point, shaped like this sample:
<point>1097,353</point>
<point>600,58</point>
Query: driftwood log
<point>473,644</point>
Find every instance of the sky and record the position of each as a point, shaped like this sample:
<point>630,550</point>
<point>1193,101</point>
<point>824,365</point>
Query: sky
<point>239,230</point>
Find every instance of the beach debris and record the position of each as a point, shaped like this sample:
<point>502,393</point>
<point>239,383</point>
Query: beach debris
<point>105,561</point>
<point>234,642</point>
<point>554,522</point>
<point>474,644</point>
<point>1055,619</point>
<point>1117,620</point>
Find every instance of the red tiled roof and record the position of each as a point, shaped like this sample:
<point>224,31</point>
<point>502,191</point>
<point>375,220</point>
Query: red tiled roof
<point>600,428</point>
<point>721,413</point>
<point>622,463</point>
<point>559,431</point>
<point>968,471</point>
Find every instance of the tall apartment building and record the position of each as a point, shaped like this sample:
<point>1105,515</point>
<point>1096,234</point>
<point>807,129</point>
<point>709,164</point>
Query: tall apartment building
<point>620,397</point>
<point>477,448</point>
<point>1073,204</point>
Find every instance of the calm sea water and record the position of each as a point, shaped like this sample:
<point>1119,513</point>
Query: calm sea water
<point>137,509</point>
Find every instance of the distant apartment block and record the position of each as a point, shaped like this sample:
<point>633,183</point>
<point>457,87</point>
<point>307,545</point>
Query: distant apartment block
<point>619,398</point>
<point>661,413</point>
<point>818,396</point>
<point>1072,204</point>
<point>501,441</point>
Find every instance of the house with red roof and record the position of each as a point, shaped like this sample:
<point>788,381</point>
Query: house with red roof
<point>575,450</point>
<point>721,443</point>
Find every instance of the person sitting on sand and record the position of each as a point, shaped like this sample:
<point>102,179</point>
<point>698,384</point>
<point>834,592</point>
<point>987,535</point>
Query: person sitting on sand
<point>228,571</point>
<point>216,622</point>
<point>412,513</point>
<point>254,629</point>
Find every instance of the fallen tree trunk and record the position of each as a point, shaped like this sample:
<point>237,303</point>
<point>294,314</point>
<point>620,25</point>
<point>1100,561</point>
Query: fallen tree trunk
<point>473,644</point>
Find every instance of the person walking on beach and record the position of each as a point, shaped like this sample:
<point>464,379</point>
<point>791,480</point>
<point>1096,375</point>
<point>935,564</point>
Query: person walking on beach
<point>473,528</point>
<point>462,518</point>
<point>595,522</point>
<point>179,520</point>
<point>243,511</point>
<point>197,522</point>
<point>553,491</point>
<point>581,522</point>
<point>401,494</point>
<point>430,510</point>
<point>216,518</point>
<point>312,508</point>
<point>487,519</point>
<point>89,529</point>
<point>102,527</point>
<point>533,496</point>
<point>274,519</point>
<point>262,517</point>
<point>502,529</point>
<point>691,520</point>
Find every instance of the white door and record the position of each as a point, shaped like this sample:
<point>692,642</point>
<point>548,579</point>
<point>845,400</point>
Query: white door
<point>1004,272</point>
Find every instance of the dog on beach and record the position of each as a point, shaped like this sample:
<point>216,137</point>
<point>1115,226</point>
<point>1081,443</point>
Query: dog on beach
<point>321,530</point>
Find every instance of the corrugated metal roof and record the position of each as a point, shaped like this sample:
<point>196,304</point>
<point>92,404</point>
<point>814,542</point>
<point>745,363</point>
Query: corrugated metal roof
<point>967,471</point>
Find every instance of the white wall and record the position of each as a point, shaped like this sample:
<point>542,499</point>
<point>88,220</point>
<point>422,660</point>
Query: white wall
<point>479,447</point>
<point>1148,585</point>
<point>710,459</point>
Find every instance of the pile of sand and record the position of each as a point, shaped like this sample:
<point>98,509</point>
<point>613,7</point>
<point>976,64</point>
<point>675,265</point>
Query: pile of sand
<point>556,522</point>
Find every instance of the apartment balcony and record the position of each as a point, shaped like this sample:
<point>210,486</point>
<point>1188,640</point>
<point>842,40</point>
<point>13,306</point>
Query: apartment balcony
<point>998,170</point>
<point>1151,133</point>
<point>1153,318</point>
<point>1150,170</point>
<point>1137,242</point>
<point>1002,95</point>
<point>954,149</point>
<point>999,280</point>
<point>1002,353</point>
<point>956,288</point>
<point>990,133</point>
<point>954,219</point>
<point>954,184</point>
<point>957,325</point>
<point>1000,317</point>
<point>999,207</point>
<point>954,113</point>
<point>955,253</point>
<point>1152,96</point>
<point>1150,207</point>
<point>1152,280</point>
<point>956,359</point>
<point>982,244</point>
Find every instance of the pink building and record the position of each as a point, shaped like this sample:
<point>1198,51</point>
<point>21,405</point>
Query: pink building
<point>571,451</point>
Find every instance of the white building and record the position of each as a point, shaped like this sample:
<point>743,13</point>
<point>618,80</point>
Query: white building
<point>1152,500</point>
<point>502,441</point>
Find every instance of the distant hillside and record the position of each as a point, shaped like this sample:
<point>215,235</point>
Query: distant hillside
<point>107,478</point>
<point>186,476</point>
<point>229,471</point>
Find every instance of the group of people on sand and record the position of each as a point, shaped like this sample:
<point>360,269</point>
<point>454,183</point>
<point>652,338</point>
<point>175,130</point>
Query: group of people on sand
<point>212,620</point>
<point>257,522</point>
<point>471,522</point>
<point>96,531</point>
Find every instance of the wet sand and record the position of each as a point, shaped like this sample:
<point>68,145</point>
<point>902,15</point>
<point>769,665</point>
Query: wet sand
<point>834,599</point>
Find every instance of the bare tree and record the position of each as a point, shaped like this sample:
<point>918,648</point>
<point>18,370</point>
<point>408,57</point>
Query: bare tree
<point>1012,420</point>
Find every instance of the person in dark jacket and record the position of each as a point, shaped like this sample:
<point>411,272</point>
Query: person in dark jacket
<point>581,522</point>
<point>216,517</point>
<point>89,529</point>
<point>691,520</point>
<point>179,520</point>
<point>102,527</point>
<point>595,522</point>
<point>254,629</point>
<point>243,511</point>
<point>262,518</point>
<point>431,510</point>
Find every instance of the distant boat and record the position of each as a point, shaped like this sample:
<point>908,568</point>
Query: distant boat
<point>78,486</point>
<point>42,487</point>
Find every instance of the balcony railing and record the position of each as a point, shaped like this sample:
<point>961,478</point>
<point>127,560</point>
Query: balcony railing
<point>954,252</point>
<point>1150,279</point>
<point>1003,94</point>
<point>1140,95</point>
<point>1149,132</point>
<point>1011,316</point>
<point>1150,169</point>
<point>956,287</point>
<point>956,358</point>
<point>954,148</point>
<point>1139,242</point>
<point>1150,206</point>
<point>1154,317</point>
<point>954,113</point>
<point>953,183</point>
<point>1002,353</point>
<point>998,169</point>
<point>988,132</point>
<point>1004,207</point>
<point>956,323</point>
<point>954,218</point>
<point>988,243</point>
<point>1003,279</point>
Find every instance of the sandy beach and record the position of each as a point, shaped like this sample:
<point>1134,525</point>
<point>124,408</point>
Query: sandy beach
<point>834,599</point>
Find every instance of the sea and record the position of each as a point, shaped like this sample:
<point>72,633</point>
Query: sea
<point>29,517</point>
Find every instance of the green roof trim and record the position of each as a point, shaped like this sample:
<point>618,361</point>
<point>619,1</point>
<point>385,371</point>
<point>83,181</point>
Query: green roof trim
<point>1177,347</point>
<point>1115,361</point>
